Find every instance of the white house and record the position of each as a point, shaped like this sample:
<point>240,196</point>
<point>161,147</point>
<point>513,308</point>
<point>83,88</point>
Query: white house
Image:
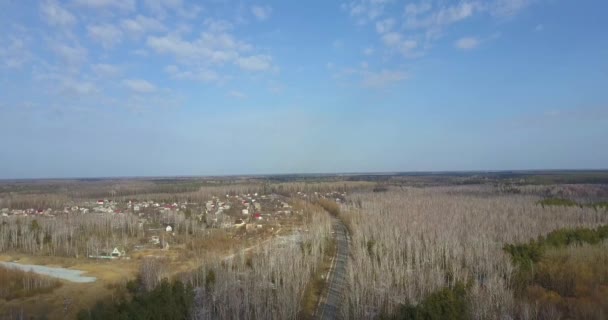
<point>245,211</point>
<point>169,228</point>
<point>117,253</point>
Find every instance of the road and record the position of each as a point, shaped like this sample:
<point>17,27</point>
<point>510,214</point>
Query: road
<point>329,306</point>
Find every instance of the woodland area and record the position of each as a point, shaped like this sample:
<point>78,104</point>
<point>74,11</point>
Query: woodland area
<point>414,252</point>
<point>454,251</point>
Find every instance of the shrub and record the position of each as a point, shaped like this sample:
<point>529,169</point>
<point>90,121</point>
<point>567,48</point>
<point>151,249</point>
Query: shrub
<point>559,202</point>
<point>564,272</point>
<point>447,303</point>
<point>172,301</point>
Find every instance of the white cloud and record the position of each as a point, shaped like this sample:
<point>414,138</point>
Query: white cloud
<point>539,28</point>
<point>383,78</point>
<point>71,86</point>
<point>139,85</point>
<point>366,10</point>
<point>14,53</point>
<point>384,26</point>
<point>201,74</point>
<point>106,70</point>
<point>237,94</point>
<point>398,43</point>
<point>126,5</point>
<point>141,25</point>
<point>218,25</point>
<point>368,51</point>
<point>255,63</point>
<point>171,69</point>
<point>161,8</point>
<point>72,55</point>
<point>412,28</point>
<point>413,9</point>
<point>210,48</point>
<point>467,43</point>
<point>508,8</point>
<point>106,34</point>
<point>435,21</point>
<point>261,12</point>
<point>56,15</point>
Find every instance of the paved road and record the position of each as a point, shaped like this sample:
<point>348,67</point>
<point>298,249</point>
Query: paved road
<point>329,306</point>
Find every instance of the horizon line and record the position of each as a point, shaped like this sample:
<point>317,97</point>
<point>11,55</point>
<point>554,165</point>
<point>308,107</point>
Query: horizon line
<point>353,173</point>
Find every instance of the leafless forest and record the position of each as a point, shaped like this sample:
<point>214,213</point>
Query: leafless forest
<point>270,282</point>
<point>19,284</point>
<point>408,243</point>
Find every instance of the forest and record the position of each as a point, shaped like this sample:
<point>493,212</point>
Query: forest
<point>454,251</point>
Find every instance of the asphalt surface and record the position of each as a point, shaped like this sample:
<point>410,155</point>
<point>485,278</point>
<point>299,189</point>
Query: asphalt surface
<point>329,306</point>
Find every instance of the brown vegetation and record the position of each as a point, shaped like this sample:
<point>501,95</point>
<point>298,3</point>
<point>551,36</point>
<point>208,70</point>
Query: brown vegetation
<point>267,283</point>
<point>20,284</point>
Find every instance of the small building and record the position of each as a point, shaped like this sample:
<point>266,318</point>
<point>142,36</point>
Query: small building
<point>117,253</point>
<point>257,216</point>
<point>169,228</point>
<point>100,202</point>
<point>245,211</point>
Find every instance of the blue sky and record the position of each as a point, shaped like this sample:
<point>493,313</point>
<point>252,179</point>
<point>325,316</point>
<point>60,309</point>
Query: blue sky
<point>173,87</point>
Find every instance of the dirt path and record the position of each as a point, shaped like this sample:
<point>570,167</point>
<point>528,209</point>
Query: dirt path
<point>329,306</point>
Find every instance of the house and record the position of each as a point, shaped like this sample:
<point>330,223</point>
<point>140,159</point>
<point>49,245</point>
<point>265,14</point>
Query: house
<point>117,253</point>
<point>100,202</point>
<point>169,228</point>
<point>257,216</point>
<point>245,211</point>
<point>239,223</point>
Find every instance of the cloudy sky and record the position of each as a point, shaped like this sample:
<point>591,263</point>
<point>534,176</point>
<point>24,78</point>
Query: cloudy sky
<point>175,87</point>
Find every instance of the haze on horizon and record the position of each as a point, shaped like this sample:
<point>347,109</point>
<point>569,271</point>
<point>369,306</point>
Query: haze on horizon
<point>92,88</point>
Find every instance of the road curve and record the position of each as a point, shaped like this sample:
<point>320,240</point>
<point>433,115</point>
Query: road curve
<point>329,306</point>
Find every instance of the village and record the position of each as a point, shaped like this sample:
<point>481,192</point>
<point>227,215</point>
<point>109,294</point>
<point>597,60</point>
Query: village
<point>168,224</point>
